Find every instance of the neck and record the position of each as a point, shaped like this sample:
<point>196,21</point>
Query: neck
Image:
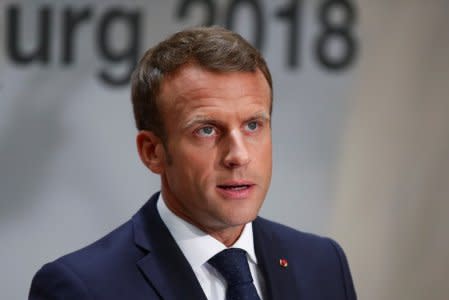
<point>225,234</point>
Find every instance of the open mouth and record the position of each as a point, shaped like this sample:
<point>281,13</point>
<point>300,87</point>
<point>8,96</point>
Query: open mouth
<point>238,187</point>
<point>241,189</point>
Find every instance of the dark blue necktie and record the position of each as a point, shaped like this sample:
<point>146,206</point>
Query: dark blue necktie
<point>233,266</point>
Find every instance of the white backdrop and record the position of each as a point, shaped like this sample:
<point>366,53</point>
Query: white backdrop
<point>69,171</point>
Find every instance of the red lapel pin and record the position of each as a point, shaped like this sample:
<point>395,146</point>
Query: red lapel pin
<point>283,262</point>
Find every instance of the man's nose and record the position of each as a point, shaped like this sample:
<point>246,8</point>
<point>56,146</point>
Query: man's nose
<point>236,151</point>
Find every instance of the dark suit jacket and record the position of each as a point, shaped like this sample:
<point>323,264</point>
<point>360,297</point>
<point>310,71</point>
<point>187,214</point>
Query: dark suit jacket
<point>141,261</point>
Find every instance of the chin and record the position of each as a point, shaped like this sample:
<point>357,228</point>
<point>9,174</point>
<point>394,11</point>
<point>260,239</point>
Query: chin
<point>241,219</point>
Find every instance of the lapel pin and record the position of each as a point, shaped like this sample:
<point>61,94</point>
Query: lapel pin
<point>283,262</point>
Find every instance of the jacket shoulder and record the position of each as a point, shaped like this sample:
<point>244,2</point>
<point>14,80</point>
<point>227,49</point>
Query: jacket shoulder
<point>83,273</point>
<point>309,245</point>
<point>291,235</point>
<point>116,244</point>
<point>321,258</point>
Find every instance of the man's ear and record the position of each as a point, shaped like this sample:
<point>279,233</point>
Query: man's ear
<point>151,151</point>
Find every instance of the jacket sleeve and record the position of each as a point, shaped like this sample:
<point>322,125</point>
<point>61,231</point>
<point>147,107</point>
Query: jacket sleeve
<point>346,274</point>
<point>56,281</point>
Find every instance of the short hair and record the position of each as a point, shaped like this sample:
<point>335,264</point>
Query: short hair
<point>213,48</point>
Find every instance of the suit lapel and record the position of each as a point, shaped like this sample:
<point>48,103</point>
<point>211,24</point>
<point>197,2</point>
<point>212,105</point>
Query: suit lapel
<point>170,274</point>
<point>279,278</point>
<point>165,267</point>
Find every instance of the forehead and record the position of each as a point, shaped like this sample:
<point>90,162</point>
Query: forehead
<point>193,87</point>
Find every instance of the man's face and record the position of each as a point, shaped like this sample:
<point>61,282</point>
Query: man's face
<point>218,145</point>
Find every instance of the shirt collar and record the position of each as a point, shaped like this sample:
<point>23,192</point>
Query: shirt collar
<point>196,245</point>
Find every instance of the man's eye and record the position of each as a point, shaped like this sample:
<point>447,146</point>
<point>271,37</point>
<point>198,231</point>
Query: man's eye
<point>206,131</point>
<point>252,126</point>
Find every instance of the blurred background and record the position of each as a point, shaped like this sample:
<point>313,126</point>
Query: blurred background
<point>360,128</point>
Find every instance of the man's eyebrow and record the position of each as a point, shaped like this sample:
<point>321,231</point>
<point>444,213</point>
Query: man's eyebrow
<point>261,115</point>
<point>202,119</point>
<point>198,119</point>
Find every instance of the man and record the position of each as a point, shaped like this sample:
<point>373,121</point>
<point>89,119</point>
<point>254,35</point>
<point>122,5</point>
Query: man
<point>202,103</point>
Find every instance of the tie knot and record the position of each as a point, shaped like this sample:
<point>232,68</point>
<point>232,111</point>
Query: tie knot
<point>233,266</point>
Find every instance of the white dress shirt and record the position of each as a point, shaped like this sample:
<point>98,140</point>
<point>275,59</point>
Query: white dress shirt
<point>198,247</point>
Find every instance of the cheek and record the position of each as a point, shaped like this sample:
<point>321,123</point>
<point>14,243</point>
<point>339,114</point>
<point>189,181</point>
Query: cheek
<point>263,150</point>
<point>263,162</point>
<point>195,164</point>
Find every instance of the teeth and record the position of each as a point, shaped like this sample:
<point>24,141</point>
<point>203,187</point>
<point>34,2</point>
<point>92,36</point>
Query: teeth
<point>238,188</point>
